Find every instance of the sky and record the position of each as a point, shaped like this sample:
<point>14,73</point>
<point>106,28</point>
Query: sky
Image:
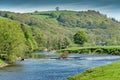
<point>109,7</point>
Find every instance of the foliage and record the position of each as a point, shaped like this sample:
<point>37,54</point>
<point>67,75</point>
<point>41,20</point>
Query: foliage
<point>80,37</point>
<point>30,41</point>
<point>107,72</point>
<point>12,40</point>
<point>1,61</point>
<point>39,37</point>
<point>51,27</point>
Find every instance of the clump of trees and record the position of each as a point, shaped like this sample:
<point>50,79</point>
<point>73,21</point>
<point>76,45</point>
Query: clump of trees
<point>15,40</point>
<point>12,40</point>
<point>80,37</point>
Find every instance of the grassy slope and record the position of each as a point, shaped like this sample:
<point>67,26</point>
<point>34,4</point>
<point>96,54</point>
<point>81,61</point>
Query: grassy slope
<point>107,72</point>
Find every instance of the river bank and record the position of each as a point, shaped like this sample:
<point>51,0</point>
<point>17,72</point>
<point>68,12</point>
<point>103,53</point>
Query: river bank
<point>107,72</point>
<point>3,64</point>
<point>115,50</point>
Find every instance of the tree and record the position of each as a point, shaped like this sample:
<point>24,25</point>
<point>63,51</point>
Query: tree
<point>53,15</point>
<point>57,8</point>
<point>36,11</point>
<point>80,37</point>
<point>66,42</point>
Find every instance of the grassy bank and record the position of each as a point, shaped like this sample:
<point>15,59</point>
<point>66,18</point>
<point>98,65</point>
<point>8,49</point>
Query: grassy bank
<point>107,72</point>
<point>96,49</point>
<point>3,63</point>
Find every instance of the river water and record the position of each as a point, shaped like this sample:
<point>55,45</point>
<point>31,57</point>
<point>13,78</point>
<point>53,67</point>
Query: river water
<point>54,69</point>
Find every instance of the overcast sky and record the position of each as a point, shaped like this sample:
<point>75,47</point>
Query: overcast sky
<point>109,7</point>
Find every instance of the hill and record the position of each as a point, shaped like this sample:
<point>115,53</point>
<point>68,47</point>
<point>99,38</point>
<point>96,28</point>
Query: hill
<point>54,29</point>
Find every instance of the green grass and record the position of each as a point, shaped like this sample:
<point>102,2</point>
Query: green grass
<point>41,16</point>
<point>107,72</point>
<point>1,61</point>
<point>44,17</point>
<point>1,17</point>
<point>93,49</point>
<point>75,48</point>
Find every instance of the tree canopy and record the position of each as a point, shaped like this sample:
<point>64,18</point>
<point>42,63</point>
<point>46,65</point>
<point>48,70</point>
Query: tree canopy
<point>80,37</point>
<point>12,39</point>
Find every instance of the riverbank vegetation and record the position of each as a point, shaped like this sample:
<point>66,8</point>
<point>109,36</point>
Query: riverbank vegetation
<point>1,61</point>
<point>14,40</point>
<point>107,72</point>
<point>115,50</point>
<point>23,33</point>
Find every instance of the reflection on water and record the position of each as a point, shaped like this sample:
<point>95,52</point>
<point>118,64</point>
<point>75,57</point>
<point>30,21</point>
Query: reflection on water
<point>54,69</point>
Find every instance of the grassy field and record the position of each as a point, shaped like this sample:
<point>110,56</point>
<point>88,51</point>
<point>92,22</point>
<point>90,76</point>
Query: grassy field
<point>107,72</point>
<point>1,17</point>
<point>95,49</point>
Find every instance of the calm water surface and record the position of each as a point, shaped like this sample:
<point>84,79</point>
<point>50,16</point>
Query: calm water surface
<point>54,69</point>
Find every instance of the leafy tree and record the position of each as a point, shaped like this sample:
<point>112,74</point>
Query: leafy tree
<point>80,37</point>
<point>12,40</point>
<point>57,8</point>
<point>66,42</point>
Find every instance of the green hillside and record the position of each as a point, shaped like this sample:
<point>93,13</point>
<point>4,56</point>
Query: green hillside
<point>51,28</point>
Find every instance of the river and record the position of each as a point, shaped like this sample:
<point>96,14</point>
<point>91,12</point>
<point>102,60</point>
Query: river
<point>54,69</point>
